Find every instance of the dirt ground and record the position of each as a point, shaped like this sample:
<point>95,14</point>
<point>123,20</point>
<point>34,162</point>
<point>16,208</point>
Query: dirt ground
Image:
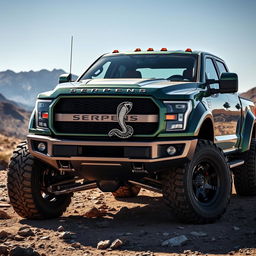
<point>141,223</point>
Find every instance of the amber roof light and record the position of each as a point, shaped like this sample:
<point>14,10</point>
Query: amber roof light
<point>188,50</point>
<point>164,50</point>
<point>137,50</point>
<point>115,51</point>
<point>150,49</point>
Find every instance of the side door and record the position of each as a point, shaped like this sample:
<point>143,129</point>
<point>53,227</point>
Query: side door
<point>234,111</point>
<point>220,106</point>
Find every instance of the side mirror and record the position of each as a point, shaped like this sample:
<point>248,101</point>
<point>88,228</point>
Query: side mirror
<point>64,78</point>
<point>228,83</point>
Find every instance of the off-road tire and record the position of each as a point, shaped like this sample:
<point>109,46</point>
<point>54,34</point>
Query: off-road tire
<point>178,188</point>
<point>245,175</point>
<point>125,191</point>
<point>24,188</point>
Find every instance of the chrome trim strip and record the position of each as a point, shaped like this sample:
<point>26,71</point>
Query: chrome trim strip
<point>224,138</point>
<point>229,150</point>
<point>238,163</point>
<point>102,118</point>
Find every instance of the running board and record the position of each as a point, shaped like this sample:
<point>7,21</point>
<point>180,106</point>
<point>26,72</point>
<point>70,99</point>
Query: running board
<point>235,163</point>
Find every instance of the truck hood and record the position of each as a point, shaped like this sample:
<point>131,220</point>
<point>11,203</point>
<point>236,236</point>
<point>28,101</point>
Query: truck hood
<point>158,88</point>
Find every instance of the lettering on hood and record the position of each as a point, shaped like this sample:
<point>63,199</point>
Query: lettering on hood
<point>107,90</point>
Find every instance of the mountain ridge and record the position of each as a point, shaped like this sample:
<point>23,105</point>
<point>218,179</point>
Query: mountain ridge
<point>23,87</point>
<point>14,119</point>
<point>250,94</point>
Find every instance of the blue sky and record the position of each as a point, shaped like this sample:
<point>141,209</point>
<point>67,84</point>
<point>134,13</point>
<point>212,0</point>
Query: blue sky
<point>36,34</point>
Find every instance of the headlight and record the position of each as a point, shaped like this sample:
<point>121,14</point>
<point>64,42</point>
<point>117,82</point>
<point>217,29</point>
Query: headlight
<point>42,113</point>
<point>177,115</point>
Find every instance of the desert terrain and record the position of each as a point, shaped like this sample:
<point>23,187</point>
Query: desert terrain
<point>135,226</point>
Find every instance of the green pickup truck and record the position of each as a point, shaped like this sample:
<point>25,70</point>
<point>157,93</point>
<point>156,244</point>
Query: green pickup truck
<point>167,121</point>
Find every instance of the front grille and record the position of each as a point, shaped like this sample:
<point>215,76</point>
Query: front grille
<point>141,106</point>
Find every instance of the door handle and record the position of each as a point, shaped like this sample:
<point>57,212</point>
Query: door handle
<point>226,105</point>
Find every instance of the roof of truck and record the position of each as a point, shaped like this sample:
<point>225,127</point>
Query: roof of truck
<point>159,51</point>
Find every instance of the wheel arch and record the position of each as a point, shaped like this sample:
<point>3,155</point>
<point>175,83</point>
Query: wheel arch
<point>206,130</point>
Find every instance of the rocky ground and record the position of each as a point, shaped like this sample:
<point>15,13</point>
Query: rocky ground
<point>137,226</point>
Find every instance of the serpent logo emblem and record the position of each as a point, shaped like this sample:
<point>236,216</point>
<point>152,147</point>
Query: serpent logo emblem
<point>127,131</point>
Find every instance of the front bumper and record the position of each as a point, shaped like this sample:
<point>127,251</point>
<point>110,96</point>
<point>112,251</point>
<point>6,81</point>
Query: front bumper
<point>105,153</point>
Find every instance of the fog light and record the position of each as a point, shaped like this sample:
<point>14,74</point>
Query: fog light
<point>171,150</point>
<point>41,146</point>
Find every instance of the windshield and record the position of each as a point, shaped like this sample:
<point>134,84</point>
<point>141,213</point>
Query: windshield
<point>174,67</point>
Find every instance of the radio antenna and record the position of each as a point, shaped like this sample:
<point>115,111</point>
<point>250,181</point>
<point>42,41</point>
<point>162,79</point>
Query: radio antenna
<point>71,55</point>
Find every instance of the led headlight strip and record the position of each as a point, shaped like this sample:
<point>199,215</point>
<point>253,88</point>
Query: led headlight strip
<point>177,115</point>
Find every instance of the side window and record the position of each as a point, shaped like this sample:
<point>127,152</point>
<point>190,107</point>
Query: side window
<point>222,68</point>
<point>210,71</point>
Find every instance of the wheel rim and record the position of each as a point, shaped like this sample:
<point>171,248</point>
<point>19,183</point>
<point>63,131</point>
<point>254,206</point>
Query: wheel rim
<point>205,182</point>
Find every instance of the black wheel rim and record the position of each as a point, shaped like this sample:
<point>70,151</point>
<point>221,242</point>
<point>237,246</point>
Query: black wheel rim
<point>205,182</point>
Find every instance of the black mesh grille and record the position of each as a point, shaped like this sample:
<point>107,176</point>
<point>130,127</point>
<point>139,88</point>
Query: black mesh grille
<point>103,106</point>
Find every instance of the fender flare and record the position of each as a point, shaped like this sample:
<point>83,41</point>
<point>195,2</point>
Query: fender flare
<point>246,130</point>
<point>204,117</point>
<point>197,118</point>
